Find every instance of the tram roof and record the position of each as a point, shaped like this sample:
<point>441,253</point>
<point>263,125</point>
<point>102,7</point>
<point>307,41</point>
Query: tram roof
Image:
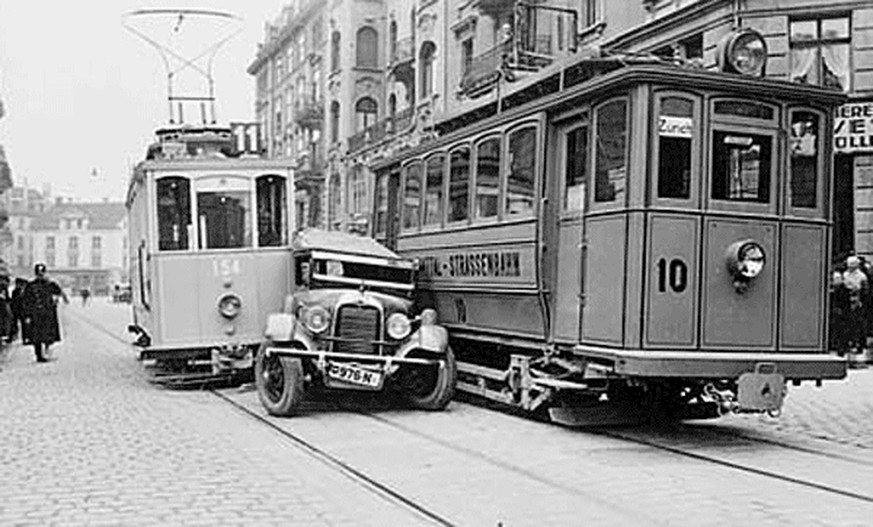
<point>341,242</point>
<point>562,88</point>
<point>216,163</point>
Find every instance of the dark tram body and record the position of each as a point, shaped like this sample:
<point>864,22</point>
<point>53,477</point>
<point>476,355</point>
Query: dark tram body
<point>618,233</point>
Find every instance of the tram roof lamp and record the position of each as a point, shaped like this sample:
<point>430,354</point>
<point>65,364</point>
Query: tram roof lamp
<point>743,51</point>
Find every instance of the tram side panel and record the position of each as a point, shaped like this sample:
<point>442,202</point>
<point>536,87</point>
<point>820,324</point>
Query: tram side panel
<point>802,302</point>
<point>140,275</point>
<point>603,313</point>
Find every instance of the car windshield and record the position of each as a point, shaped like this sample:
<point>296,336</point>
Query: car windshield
<point>363,271</point>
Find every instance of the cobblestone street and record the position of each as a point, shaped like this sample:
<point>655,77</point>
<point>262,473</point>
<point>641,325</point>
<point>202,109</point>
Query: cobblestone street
<point>87,440</point>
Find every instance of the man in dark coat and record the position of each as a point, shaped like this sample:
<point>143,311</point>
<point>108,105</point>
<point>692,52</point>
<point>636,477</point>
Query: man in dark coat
<point>17,309</point>
<point>40,311</point>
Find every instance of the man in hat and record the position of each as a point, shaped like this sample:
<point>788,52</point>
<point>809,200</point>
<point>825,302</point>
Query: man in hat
<point>856,282</point>
<point>40,312</point>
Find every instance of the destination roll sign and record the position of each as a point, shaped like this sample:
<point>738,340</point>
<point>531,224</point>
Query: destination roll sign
<point>853,127</point>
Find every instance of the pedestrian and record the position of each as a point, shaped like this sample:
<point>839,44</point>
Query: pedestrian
<point>85,294</point>
<point>839,327</point>
<point>17,311</point>
<point>39,302</point>
<point>7,322</point>
<point>856,282</point>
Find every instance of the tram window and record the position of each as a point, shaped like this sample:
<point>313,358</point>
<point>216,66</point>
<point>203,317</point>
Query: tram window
<point>433,195</point>
<point>487,177</point>
<point>741,166</point>
<point>610,163</point>
<point>520,180</point>
<point>576,168</point>
<point>224,219</point>
<point>412,197</point>
<point>459,188</point>
<point>381,203</point>
<point>804,159</point>
<point>272,230</point>
<point>174,213</point>
<point>675,134</point>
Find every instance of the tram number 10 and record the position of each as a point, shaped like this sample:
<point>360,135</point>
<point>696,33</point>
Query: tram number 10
<point>673,274</point>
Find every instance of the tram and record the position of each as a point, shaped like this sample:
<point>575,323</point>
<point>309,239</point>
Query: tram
<point>626,236</point>
<point>209,247</point>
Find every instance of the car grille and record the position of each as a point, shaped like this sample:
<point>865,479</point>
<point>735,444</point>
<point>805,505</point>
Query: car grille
<point>356,329</point>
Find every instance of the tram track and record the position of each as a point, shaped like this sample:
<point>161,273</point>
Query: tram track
<point>700,438</point>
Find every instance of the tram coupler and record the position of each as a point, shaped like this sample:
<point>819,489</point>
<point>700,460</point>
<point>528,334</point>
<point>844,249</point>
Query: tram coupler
<point>231,357</point>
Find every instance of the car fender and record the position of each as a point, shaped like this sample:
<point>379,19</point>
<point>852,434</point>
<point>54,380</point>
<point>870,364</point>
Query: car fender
<point>283,327</point>
<point>429,338</point>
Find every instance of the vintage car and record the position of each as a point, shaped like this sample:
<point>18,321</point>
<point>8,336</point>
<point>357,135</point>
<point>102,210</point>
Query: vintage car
<point>349,325</point>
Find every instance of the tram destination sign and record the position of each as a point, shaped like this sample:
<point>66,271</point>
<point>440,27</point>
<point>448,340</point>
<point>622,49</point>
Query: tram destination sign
<point>853,127</point>
<point>512,265</point>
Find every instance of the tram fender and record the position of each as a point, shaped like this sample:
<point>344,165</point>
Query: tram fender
<point>428,338</point>
<point>280,327</point>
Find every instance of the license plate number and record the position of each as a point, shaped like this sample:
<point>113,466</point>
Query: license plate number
<point>354,375</point>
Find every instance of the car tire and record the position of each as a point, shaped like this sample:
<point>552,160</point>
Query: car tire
<point>438,390</point>
<point>279,381</point>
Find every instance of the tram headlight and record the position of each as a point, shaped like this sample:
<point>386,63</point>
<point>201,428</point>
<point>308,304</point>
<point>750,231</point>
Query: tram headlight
<point>229,306</point>
<point>398,326</point>
<point>316,319</point>
<point>745,260</point>
<point>743,51</point>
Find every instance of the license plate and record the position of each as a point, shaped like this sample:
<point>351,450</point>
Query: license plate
<point>354,375</point>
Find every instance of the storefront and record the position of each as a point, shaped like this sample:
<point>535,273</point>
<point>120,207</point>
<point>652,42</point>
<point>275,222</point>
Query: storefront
<point>853,186</point>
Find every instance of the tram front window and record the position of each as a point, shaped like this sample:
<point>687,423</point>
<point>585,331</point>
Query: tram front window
<point>224,219</point>
<point>174,213</point>
<point>272,231</point>
<point>675,133</point>
<point>741,166</point>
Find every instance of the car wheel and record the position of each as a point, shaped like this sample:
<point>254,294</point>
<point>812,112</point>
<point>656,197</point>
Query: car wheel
<point>279,381</point>
<point>428,387</point>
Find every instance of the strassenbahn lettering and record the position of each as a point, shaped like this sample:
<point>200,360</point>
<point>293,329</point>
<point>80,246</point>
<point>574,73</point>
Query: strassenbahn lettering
<point>473,265</point>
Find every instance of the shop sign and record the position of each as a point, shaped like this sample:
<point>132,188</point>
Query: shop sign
<point>853,127</point>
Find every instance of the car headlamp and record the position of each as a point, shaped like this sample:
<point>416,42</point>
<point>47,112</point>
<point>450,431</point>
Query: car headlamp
<point>398,326</point>
<point>745,52</point>
<point>229,306</point>
<point>745,260</point>
<point>316,319</point>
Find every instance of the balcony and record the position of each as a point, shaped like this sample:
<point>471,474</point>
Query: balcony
<point>401,63</point>
<point>309,113</point>
<point>385,128</point>
<point>484,70</point>
<point>310,165</point>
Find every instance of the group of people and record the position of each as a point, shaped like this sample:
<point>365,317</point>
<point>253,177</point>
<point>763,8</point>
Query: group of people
<point>851,306</point>
<point>30,310</point>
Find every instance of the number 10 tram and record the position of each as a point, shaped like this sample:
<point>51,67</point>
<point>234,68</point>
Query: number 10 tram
<point>619,237</point>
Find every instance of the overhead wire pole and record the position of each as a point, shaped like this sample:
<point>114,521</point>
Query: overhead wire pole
<point>166,52</point>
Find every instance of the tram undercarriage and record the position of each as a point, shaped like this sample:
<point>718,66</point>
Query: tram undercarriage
<point>575,388</point>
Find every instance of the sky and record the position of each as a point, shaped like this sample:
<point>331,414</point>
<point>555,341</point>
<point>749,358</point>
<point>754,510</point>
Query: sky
<point>83,95</point>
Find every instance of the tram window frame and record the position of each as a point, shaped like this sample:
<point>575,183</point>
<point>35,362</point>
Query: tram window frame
<point>185,233</point>
<point>817,209</point>
<point>618,196</point>
<point>228,184</point>
<point>269,216</point>
<point>476,216</point>
<point>660,195</point>
<point>734,122</point>
<point>509,134</point>
<point>417,164</point>
<point>767,202</point>
<point>438,219</point>
<point>450,207</point>
<point>566,164</point>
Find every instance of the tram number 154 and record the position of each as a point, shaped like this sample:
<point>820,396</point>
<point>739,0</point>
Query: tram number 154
<point>225,267</point>
<point>673,274</point>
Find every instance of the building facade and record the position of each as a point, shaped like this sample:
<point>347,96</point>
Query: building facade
<point>23,205</point>
<point>84,245</point>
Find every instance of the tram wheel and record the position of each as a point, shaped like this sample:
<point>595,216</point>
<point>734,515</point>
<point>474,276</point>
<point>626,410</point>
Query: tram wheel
<point>430,388</point>
<point>279,381</point>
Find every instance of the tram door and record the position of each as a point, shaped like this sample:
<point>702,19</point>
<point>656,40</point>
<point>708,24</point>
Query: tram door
<point>570,176</point>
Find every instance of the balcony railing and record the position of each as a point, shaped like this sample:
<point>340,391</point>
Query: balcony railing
<point>310,163</point>
<point>309,113</point>
<point>382,129</point>
<point>485,69</point>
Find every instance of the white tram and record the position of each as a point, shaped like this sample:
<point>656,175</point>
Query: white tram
<point>209,247</point>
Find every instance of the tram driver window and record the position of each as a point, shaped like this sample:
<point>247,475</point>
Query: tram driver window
<point>675,134</point>
<point>741,167</point>
<point>272,231</point>
<point>174,213</point>
<point>224,219</point>
<point>804,159</point>
<point>520,180</point>
<point>611,157</point>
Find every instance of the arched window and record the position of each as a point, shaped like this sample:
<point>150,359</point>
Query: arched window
<point>366,111</point>
<point>426,59</point>
<point>335,51</point>
<point>334,121</point>
<point>392,38</point>
<point>367,48</point>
